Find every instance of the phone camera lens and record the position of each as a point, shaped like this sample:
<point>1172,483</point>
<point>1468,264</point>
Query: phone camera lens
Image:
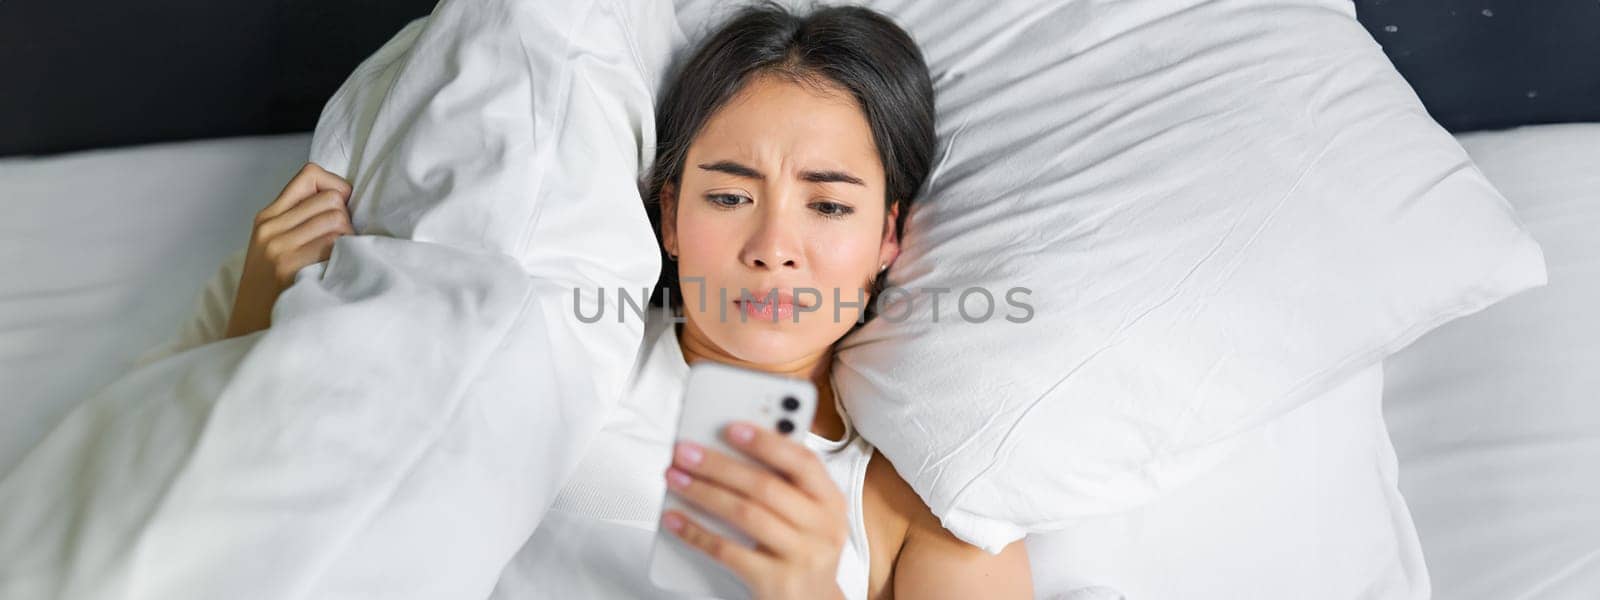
<point>790,403</point>
<point>785,426</point>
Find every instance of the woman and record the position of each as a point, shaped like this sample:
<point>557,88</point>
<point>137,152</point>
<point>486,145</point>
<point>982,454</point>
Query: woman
<point>789,147</point>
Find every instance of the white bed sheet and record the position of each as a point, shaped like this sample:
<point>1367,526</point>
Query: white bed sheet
<point>104,254</point>
<point>1496,417</point>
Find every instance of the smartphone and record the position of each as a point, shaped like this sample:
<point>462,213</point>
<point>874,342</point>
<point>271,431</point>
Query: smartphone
<point>714,396</point>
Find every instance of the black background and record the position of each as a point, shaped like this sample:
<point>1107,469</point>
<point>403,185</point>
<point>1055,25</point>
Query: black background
<point>78,74</point>
<point>1521,62</point>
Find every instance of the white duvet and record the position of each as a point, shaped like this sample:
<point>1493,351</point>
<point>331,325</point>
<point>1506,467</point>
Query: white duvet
<point>416,403</point>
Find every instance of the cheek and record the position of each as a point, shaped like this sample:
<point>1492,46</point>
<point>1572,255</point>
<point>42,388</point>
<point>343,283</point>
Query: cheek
<point>701,238</point>
<point>843,261</point>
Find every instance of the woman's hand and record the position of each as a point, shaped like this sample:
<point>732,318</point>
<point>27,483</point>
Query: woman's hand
<point>295,230</point>
<point>798,517</point>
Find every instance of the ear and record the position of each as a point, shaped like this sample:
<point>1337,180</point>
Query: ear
<point>890,248</point>
<point>669,218</point>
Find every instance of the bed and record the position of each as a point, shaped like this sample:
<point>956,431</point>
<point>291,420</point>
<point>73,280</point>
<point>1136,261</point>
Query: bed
<point>1493,417</point>
<point>113,230</point>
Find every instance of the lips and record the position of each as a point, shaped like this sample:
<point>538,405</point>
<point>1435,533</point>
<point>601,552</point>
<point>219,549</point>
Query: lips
<point>783,298</point>
<point>758,307</point>
<point>786,295</point>
<point>778,311</point>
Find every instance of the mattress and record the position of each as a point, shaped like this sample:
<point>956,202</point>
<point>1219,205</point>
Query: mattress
<point>105,252</point>
<point>1494,417</point>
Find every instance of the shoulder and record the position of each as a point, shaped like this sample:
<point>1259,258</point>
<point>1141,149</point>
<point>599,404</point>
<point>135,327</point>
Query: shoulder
<point>888,506</point>
<point>929,561</point>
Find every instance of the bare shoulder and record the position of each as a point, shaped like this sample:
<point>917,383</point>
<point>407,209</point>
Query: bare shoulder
<point>888,506</point>
<point>918,558</point>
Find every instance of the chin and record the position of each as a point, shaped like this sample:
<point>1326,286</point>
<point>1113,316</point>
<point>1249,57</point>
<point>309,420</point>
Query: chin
<point>768,343</point>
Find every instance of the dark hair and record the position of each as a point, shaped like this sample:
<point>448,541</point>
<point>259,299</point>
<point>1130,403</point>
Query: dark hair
<point>853,48</point>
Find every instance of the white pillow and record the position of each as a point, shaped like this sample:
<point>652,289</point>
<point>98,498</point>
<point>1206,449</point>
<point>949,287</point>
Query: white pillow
<point>1308,508</point>
<point>1221,210</point>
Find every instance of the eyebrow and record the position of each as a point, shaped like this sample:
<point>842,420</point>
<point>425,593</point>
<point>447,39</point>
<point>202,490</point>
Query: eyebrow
<point>738,170</point>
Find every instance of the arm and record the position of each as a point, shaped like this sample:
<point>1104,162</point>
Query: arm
<point>933,563</point>
<point>295,230</point>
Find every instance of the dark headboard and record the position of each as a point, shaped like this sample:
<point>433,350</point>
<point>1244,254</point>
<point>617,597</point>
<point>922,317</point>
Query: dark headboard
<point>1494,64</point>
<point>78,74</point>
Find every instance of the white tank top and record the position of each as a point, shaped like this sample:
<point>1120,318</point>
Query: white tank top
<point>595,540</point>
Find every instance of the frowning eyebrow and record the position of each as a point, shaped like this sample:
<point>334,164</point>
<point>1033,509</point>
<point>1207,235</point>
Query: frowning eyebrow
<point>738,170</point>
<point>734,169</point>
<point>830,177</point>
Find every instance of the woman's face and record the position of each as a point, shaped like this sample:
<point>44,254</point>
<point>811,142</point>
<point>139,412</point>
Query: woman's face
<point>782,189</point>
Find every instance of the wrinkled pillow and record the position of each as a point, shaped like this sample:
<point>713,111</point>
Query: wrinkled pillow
<point>1218,210</point>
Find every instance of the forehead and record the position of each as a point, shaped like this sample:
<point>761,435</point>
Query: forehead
<point>783,124</point>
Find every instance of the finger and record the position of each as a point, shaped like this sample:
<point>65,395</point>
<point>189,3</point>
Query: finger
<point>796,462</point>
<point>752,481</point>
<point>321,224</point>
<point>311,180</point>
<point>292,218</point>
<point>755,520</point>
<point>321,249</point>
<point>317,251</point>
<point>748,564</point>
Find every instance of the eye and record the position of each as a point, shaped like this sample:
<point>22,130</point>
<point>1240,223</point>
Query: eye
<point>725,200</point>
<point>833,210</point>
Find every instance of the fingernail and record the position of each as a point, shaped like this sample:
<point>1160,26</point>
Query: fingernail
<point>673,522</point>
<point>741,433</point>
<point>689,454</point>
<point>677,479</point>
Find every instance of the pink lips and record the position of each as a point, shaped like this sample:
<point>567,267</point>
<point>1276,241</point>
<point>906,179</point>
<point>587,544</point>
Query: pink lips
<point>782,309</point>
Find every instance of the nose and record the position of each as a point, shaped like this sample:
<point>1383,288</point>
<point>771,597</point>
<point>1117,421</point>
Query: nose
<point>776,243</point>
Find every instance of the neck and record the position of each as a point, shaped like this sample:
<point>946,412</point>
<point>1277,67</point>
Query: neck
<point>816,368</point>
